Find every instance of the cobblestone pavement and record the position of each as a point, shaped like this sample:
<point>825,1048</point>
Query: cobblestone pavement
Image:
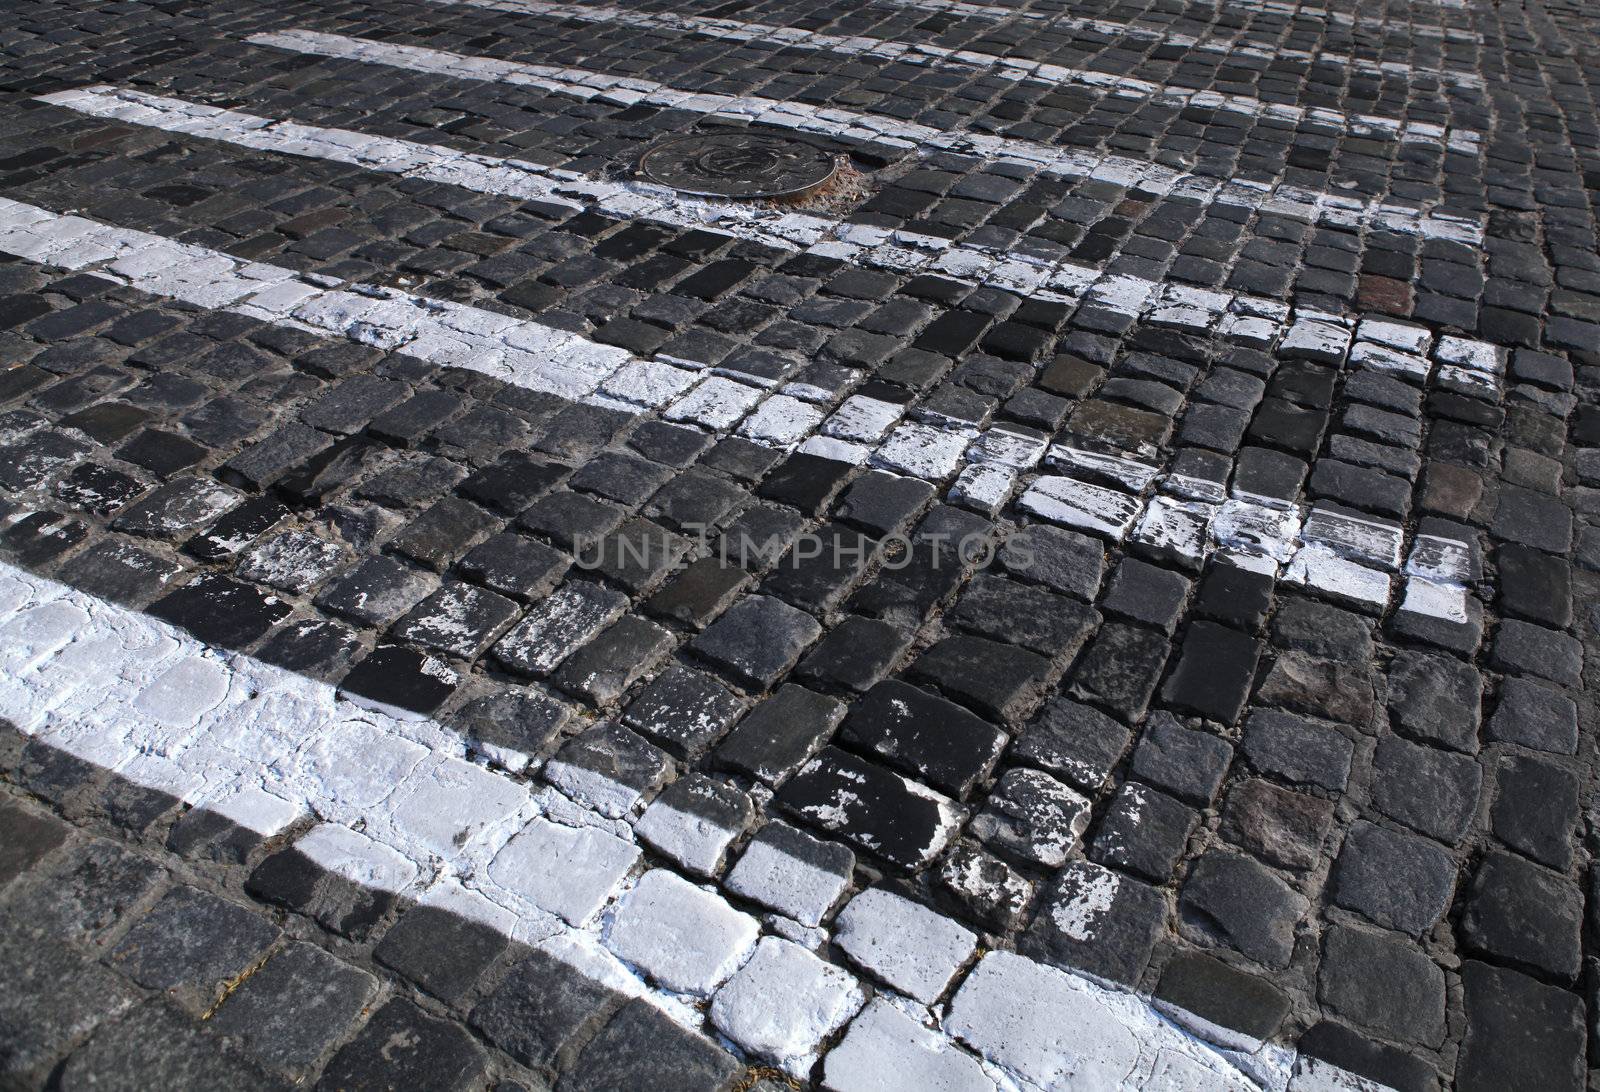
<point>1102,595</point>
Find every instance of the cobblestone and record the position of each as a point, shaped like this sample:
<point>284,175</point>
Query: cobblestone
<point>1229,375</point>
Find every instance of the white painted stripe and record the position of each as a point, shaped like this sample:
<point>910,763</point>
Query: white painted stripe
<point>402,807</point>
<point>1213,46</point>
<point>1466,141</point>
<point>1198,309</point>
<point>1330,209</point>
<point>1294,9</point>
<point>863,431</point>
<point>901,251</point>
<point>527,354</point>
<point>964,10</point>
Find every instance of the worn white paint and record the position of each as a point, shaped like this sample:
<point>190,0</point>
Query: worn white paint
<point>539,357</point>
<point>1331,209</point>
<point>1109,84</point>
<point>296,747</point>
<point>1206,45</point>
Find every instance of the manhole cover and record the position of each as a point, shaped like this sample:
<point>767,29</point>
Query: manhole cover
<point>738,165</point>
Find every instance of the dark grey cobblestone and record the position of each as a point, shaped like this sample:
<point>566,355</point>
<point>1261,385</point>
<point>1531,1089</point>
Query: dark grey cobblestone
<point>1370,834</point>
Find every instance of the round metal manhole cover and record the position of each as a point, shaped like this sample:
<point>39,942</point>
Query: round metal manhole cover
<point>738,165</point>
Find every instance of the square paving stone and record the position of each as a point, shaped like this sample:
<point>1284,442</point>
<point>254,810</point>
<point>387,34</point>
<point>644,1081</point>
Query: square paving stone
<point>119,571</point>
<point>1280,826</point>
<point>1095,920</point>
<point>1147,594</point>
<point>1431,791</point>
<point>162,453</point>
<point>1120,669</point>
<point>234,532</point>
<point>1521,648</point>
<point>442,952</point>
<point>1215,671</point>
<point>1298,750</point>
<point>1435,699</point>
<point>52,1001</point>
<point>607,666</point>
<point>820,569</point>
<point>183,504</point>
<point>1393,878</point>
<point>1535,585</point>
<point>643,1047</point>
<point>1076,742</point>
<point>695,501</point>
<point>1062,560</point>
<point>514,565</point>
<point>777,737</point>
<point>996,679</point>
<point>1383,984</point>
<point>879,811</point>
<point>695,820</point>
<point>787,870</point>
<point>402,1046</point>
<point>98,489</point>
<point>609,768</point>
<point>512,483</point>
<point>401,680</point>
<point>1536,809</point>
<point>1331,1043</point>
<point>1517,912</point>
<point>1023,614</point>
<point>883,504</point>
<point>1232,900</point>
<point>757,640</point>
<point>1189,764</point>
<point>377,591</point>
<point>856,654</point>
<point>29,837</point>
<point>1329,689</point>
<point>294,561</point>
<point>1032,817</point>
<point>443,533</point>
<point>637,556</point>
<point>558,625</point>
<point>457,620</point>
<point>221,611</point>
<point>1201,984</point>
<point>543,1011</point>
<point>1534,715</point>
<point>191,945</point>
<point>572,521</point>
<point>683,710</point>
<point>288,1013</point>
<point>160,1048</point>
<point>1144,832</point>
<point>924,735</point>
<point>1519,1031</point>
<point>698,593</point>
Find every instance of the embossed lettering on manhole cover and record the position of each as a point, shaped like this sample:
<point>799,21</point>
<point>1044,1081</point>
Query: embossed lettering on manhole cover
<point>739,165</point>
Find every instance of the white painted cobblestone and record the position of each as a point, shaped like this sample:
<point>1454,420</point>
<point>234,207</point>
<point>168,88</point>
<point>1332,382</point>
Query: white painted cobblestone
<point>798,230</point>
<point>1032,1023</point>
<point>778,881</point>
<point>693,842</point>
<point>783,1003</point>
<point>1005,68</point>
<point>568,871</point>
<point>1042,1024</point>
<point>912,948</point>
<point>885,1050</point>
<point>684,937</point>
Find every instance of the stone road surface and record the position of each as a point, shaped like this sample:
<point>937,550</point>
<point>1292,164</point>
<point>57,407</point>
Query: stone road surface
<point>1104,595</point>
